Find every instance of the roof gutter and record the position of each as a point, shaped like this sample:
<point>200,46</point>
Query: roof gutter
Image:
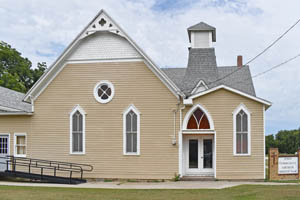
<point>15,113</point>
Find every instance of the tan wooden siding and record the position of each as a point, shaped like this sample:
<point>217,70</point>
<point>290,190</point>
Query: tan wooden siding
<point>134,84</point>
<point>15,124</point>
<point>220,105</point>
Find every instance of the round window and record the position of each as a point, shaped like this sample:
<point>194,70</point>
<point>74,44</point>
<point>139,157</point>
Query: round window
<point>104,91</point>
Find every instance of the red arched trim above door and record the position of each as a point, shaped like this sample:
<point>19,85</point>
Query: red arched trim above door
<point>198,120</point>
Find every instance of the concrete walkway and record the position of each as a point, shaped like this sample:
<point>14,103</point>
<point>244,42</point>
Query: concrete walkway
<point>145,185</point>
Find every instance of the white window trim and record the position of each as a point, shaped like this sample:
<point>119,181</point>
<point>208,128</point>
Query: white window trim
<point>8,140</point>
<point>96,92</point>
<point>137,112</point>
<point>248,113</point>
<point>15,144</point>
<point>79,109</point>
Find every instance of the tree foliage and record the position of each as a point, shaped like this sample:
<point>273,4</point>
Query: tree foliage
<point>16,72</point>
<point>285,141</point>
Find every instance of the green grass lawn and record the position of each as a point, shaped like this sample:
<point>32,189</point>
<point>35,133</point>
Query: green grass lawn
<point>240,192</point>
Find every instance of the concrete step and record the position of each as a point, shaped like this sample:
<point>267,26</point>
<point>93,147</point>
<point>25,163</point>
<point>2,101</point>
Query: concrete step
<point>197,178</point>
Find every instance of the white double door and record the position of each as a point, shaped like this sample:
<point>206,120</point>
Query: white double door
<point>4,151</point>
<point>199,155</point>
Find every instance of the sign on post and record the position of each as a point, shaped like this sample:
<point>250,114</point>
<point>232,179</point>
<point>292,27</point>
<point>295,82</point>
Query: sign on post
<point>283,167</point>
<point>288,165</point>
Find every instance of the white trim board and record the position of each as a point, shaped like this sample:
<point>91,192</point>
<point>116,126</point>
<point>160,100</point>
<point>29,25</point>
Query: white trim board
<point>264,141</point>
<point>44,81</point>
<point>265,102</point>
<point>197,89</point>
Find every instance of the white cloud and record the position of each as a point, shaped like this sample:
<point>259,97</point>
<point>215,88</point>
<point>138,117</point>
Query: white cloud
<point>243,27</point>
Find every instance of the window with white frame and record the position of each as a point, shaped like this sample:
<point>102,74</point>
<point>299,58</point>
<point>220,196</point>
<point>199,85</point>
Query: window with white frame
<point>77,125</point>
<point>131,118</point>
<point>20,144</point>
<point>104,91</point>
<point>242,131</point>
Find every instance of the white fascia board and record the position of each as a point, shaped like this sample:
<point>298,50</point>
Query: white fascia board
<point>265,102</point>
<point>157,71</point>
<point>15,113</point>
<point>9,109</point>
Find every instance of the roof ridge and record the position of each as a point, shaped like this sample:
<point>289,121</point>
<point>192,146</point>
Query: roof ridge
<point>232,66</point>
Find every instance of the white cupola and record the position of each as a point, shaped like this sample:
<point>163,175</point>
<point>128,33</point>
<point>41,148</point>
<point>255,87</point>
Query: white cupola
<point>202,35</point>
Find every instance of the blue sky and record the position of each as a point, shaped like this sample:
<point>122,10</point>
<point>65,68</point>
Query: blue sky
<point>42,29</point>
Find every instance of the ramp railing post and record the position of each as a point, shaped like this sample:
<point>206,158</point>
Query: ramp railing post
<point>14,164</point>
<point>42,173</point>
<point>70,176</point>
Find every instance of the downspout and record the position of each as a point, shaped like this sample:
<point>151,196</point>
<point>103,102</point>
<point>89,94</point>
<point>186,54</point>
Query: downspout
<point>175,113</point>
<point>180,154</point>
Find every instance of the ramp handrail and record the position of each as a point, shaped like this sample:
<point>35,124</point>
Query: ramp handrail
<point>46,164</point>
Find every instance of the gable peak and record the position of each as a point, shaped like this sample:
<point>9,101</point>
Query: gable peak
<point>102,22</point>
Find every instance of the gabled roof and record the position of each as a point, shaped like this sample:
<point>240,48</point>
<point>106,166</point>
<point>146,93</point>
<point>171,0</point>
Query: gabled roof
<point>260,100</point>
<point>201,86</point>
<point>101,22</point>
<point>240,80</point>
<point>202,27</point>
<point>11,102</point>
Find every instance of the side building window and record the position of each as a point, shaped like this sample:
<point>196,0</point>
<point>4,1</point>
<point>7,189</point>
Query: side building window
<point>20,144</point>
<point>131,131</point>
<point>77,131</point>
<point>242,144</point>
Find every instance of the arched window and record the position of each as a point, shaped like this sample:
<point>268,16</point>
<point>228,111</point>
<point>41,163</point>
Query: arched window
<point>198,120</point>
<point>77,130</point>
<point>242,131</point>
<point>131,136</point>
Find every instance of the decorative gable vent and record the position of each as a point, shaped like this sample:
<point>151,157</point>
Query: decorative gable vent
<point>200,87</point>
<point>102,23</point>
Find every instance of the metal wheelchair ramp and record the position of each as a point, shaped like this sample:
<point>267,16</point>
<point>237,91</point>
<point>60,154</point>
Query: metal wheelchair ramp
<point>27,168</point>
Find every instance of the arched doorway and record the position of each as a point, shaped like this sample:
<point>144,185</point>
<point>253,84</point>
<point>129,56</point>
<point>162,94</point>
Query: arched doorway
<point>198,136</point>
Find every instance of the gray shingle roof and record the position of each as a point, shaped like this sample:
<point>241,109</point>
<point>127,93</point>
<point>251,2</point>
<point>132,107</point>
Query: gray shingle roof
<point>202,66</point>
<point>202,27</point>
<point>240,79</point>
<point>12,100</point>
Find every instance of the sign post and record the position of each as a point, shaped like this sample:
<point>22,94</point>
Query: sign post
<point>283,167</point>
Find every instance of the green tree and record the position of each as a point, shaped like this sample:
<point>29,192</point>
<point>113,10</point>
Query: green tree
<point>16,72</point>
<point>270,142</point>
<point>287,141</point>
